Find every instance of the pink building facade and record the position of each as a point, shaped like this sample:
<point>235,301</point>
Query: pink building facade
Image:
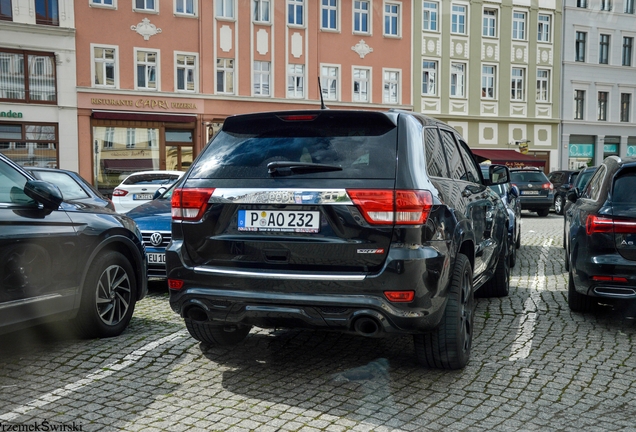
<point>156,80</point>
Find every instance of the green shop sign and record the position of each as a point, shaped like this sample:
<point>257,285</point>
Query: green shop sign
<point>610,148</point>
<point>10,114</point>
<point>631,150</point>
<point>581,150</point>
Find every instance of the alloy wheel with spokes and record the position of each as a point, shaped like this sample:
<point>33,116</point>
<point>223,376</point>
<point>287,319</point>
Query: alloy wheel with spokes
<point>113,295</point>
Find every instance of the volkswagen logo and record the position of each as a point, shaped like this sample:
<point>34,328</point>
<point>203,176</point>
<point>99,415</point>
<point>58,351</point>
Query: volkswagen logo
<point>156,239</point>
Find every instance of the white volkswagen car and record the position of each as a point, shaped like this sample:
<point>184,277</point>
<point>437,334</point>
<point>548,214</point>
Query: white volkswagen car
<point>140,187</point>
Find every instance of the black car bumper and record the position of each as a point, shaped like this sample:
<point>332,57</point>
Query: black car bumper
<point>606,276</point>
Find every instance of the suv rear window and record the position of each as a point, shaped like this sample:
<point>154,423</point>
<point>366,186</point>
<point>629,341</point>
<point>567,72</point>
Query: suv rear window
<point>362,143</point>
<point>528,176</point>
<point>625,188</point>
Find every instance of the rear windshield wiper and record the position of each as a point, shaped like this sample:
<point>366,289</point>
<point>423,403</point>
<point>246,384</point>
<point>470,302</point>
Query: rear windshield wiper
<point>289,167</point>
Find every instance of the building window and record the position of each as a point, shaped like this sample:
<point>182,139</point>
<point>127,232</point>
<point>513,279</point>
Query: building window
<point>361,16</point>
<point>489,23</point>
<point>429,78</point>
<point>628,43</point>
<point>225,9</point>
<point>27,77</point>
<point>392,87</point>
<point>517,84</point>
<point>295,11</point>
<point>429,16</point>
<point>30,144</point>
<point>544,28</point>
<point>543,85</point>
<point>5,10</point>
<point>105,66</point>
<point>146,70</point>
<point>580,46</point>
<point>329,82</point>
<point>603,49</point>
<point>458,19</point>
<point>625,106</point>
<point>261,78</point>
<point>519,25</point>
<point>392,19</point>
<point>581,3</point>
<point>458,79</point>
<point>602,106</point>
<point>109,2</point>
<point>295,81</point>
<point>488,82</point>
<point>148,5</point>
<point>261,10</point>
<point>186,72</point>
<point>47,12</point>
<point>225,76</point>
<point>109,138</point>
<point>629,6</point>
<point>606,5</point>
<point>361,85</point>
<point>579,104</point>
<point>329,14</point>
<point>130,138</point>
<point>185,7</point>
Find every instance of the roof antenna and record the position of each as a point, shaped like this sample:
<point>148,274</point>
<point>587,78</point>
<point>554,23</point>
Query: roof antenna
<point>322,102</point>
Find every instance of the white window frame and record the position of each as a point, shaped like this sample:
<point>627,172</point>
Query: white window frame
<point>492,21</point>
<point>391,78</point>
<point>102,62</point>
<point>544,29</point>
<point>295,76</point>
<point>225,70</point>
<point>183,3</point>
<point>328,80</point>
<point>329,8</point>
<point>145,9</point>
<point>103,4</point>
<point>260,8</point>
<point>430,16</point>
<point>224,9</point>
<point>261,78</point>
<point>355,95</point>
<point>136,51</point>
<point>131,138</point>
<point>543,85</point>
<point>459,19</point>
<point>518,84</point>
<point>431,76</point>
<point>519,25</point>
<point>493,77</point>
<point>295,5</point>
<point>394,14</point>
<point>194,68</point>
<point>360,12</point>
<point>459,77</point>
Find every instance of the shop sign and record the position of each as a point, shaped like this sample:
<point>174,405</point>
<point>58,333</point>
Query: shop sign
<point>10,114</point>
<point>155,104</point>
<point>631,150</point>
<point>610,148</point>
<point>581,150</point>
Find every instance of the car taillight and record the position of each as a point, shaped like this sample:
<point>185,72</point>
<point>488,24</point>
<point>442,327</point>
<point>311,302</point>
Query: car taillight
<point>388,207</point>
<point>548,186</point>
<point>175,284</point>
<point>609,279</point>
<point>399,296</point>
<point>189,204</point>
<point>600,224</point>
<point>120,192</point>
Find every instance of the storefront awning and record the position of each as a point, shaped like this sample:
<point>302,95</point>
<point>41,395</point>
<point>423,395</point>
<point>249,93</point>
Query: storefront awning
<point>127,165</point>
<point>510,158</point>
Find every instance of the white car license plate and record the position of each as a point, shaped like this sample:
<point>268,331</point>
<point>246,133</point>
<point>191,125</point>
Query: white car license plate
<point>279,221</point>
<point>142,196</point>
<point>529,192</point>
<point>156,258</point>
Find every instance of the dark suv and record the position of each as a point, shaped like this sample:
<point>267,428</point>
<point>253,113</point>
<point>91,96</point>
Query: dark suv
<point>375,223</point>
<point>562,181</point>
<point>537,193</point>
<point>600,237</point>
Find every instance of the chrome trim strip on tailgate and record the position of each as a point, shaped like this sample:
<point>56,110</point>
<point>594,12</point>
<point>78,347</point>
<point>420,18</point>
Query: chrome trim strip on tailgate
<point>268,275</point>
<point>280,196</point>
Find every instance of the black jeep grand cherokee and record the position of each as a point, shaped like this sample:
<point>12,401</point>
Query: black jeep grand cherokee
<point>376,223</point>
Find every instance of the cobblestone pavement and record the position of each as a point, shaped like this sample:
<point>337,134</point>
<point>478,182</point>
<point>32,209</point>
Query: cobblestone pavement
<point>535,366</point>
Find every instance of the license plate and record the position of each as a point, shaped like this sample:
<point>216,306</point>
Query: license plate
<point>529,192</point>
<point>279,221</point>
<point>156,258</point>
<point>142,196</point>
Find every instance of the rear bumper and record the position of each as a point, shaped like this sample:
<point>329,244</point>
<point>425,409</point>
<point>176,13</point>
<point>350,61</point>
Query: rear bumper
<point>528,203</point>
<point>612,265</point>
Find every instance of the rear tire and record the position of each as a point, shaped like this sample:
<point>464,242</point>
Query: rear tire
<point>578,302</point>
<point>216,334</point>
<point>543,212</point>
<point>499,284</point>
<point>448,346</point>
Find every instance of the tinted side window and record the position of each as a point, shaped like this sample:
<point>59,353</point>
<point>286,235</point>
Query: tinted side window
<point>471,167</point>
<point>455,163</point>
<point>435,159</point>
<point>593,188</point>
<point>625,188</point>
<point>12,186</point>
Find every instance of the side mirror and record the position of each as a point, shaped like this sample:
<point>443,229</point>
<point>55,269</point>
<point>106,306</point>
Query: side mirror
<point>573,195</point>
<point>45,193</point>
<point>514,191</point>
<point>498,174</point>
<point>159,192</point>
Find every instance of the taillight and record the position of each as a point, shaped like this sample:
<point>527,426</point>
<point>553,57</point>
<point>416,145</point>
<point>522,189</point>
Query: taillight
<point>548,186</point>
<point>175,284</point>
<point>399,296</point>
<point>599,224</point>
<point>120,192</point>
<point>298,117</point>
<point>609,279</point>
<point>189,204</point>
<point>388,207</point>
